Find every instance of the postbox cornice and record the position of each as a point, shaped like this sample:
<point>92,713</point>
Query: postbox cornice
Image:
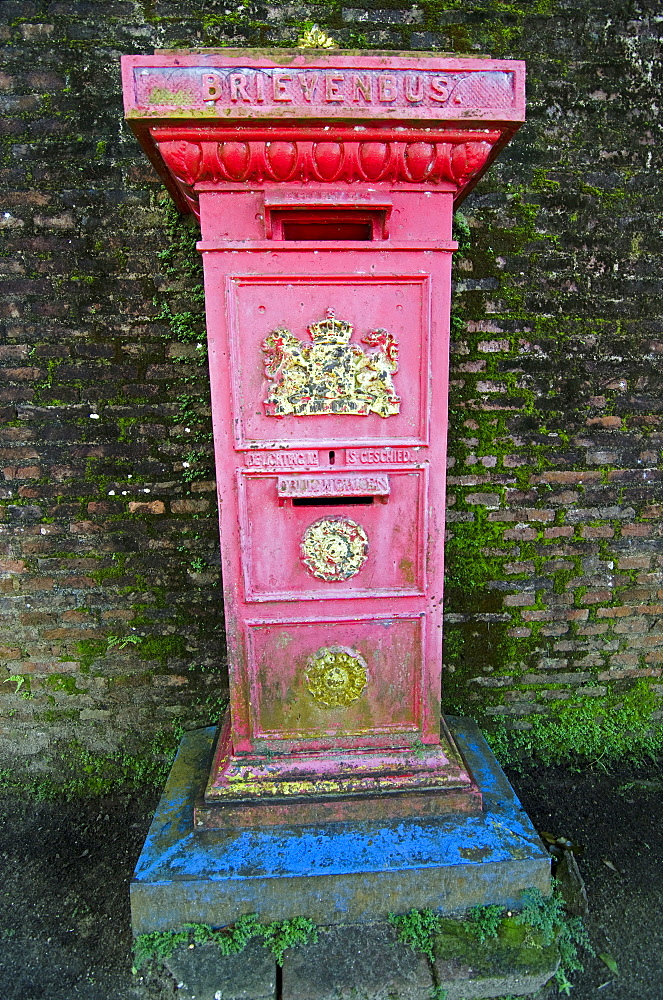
<point>254,116</point>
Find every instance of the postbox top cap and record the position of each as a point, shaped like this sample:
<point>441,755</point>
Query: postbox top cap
<point>235,84</point>
<point>320,117</point>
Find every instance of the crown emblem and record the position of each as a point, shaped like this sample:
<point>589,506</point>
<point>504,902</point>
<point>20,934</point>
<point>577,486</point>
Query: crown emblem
<point>330,330</point>
<point>330,374</point>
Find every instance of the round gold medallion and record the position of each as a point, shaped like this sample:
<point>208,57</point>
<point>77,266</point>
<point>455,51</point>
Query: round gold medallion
<point>336,675</point>
<point>334,548</point>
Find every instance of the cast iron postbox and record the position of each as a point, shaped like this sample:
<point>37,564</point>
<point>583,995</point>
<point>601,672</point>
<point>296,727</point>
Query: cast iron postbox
<point>325,187</point>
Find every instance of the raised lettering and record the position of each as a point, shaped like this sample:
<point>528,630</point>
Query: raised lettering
<point>238,89</point>
<point>414,89</point>
<point>332,87</point>
<point>260,87</point>
<point>280,83</point>
<point>387,87</point>
<point>282,460</point>
<point>349,485</point>
<point>363,85</point>
<point>381,457</point>
<point>308,85</point>
<point>439,88</point>
<point>211,87</point>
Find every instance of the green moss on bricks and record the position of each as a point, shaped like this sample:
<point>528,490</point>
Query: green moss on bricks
<point>598,730</point>
<point>183,311</point>
<point>59,715</point>
<point>148,647</point>
<point>471,562</point>
<point>509,946</point>
<point>276,936</point>
<point>89,650</point>
<point>64,683</point>
<point>81,772</point>
<point>162,648</point>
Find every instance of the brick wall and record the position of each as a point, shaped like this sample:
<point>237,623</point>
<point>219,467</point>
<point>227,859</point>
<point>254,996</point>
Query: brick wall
<point>109,587</point>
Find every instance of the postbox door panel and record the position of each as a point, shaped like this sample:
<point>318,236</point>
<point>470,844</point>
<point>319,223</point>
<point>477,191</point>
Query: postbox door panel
<point>328,680</point>
<point>336,542</point>
<point>332,447</point>
<point>320,358</point>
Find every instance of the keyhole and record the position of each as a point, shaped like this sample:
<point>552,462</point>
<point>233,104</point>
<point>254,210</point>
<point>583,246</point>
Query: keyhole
<point>332,457</point>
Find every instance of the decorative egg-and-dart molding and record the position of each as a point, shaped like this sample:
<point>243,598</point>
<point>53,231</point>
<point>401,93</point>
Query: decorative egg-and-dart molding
<point>454,158</point>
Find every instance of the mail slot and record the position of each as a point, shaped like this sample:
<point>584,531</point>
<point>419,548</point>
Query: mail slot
<point>347,218</point>
<point>325,191</point>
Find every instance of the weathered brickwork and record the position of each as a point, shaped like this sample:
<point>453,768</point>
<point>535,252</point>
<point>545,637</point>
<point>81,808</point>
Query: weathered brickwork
<point>110,593</point>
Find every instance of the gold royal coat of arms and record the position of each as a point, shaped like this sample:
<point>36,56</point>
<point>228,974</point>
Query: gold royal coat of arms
<point>330,375</point>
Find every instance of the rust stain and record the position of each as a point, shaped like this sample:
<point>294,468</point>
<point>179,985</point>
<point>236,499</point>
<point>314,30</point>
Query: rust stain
<point>407,569</point>
<point>475,853</point>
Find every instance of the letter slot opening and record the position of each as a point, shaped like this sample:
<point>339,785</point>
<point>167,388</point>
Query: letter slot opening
<point>325,227</point>
<point>299,219</point>
<point>333,501</point>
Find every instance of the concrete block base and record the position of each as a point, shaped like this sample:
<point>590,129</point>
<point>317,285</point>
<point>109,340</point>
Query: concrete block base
<point>338,872</point>
<point>367,962</point>
<point>201,973</point>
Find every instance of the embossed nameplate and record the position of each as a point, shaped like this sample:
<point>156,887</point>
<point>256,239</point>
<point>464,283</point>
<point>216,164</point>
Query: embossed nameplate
<point>230,85</point>
<point>342,486</point>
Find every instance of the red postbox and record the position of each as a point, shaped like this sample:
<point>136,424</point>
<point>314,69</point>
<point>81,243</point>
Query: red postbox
<point>325,187</point>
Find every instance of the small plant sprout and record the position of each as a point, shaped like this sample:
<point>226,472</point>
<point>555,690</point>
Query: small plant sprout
<point>20,680</point>
<point>314,37</point>
<point>122,641</point>
<point>275,936</point>
<point>417,929</point>
<point>484,921</point>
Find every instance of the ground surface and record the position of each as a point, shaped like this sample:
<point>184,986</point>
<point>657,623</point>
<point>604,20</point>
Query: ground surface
<point>65,870</point>
<point>619,819</point>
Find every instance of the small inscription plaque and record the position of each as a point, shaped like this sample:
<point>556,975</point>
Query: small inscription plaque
<point>380,456</point>
<point>341,486</point>
<point>281,459</point>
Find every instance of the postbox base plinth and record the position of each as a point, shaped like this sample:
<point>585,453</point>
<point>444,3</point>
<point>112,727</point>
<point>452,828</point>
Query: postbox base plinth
<point>344,786</point>
<point>340,809</point>
<point>328,870</point>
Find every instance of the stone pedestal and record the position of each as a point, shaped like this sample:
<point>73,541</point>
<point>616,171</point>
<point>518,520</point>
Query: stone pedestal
<point>333,873</point>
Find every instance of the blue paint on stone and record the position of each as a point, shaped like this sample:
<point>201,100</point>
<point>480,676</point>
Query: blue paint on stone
<point>338,871</point>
